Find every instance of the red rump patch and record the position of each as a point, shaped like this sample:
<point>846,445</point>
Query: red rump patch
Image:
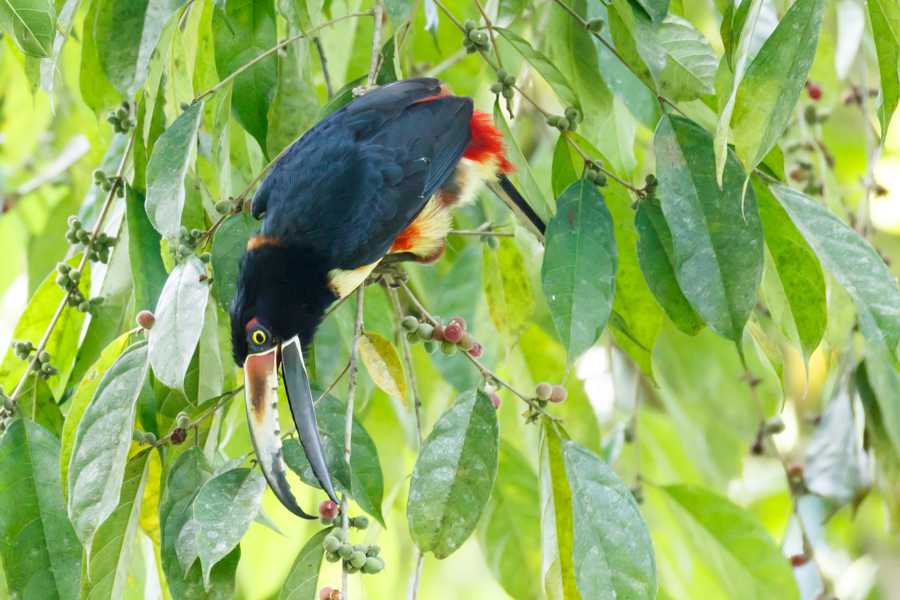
<point>487,143</point>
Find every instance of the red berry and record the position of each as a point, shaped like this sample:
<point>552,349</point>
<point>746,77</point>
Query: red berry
<point>325,593</point>
<point>438,333</point>
<point>145,319</point>
<point>476,351</point>
<point>798,560</point>
<point>495,399</point>
<point>795,471</point>
<point>328,509</point>
<point>814,90</point>
<point>453,333</point>
<point>558,394</point>
<point>459,321</point>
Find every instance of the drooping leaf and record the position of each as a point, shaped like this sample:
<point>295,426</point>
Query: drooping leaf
<point>107,573</point>
<point>229,245</point>
<point>749,564</point>
<point>40,553</point>
<point>126,35</point>
<point>579,269</point>
<point>454,474</point>
<point>295,458</point>
<point>224,508</point>
<point>804,316</point>
<point>179,322</point>
<point>854,263</point>
<point>768,351</point>
<point>166,171</point>
<point>96,91</point>
<point>636,40</point>
<point>655,257</point>
<point>510,532</point>
<point>31,23</point>
<point>101,445</point>
<point>185,477</point>
<point>657,9</point>
<point>556,80</point>
<point>528,183</point>
<point>691,62</point>
<point>304,574</point>
<point>68,12</point>
<point>83,395</point>
<point>63,341</point>
<point>885,18</point>
<point>885,383</point>
<point>717,241</point>
<point>295,106</point>
<point>144,252</point>
<point>507,286</point>
<point>242,31</point>
<point>770,88</point>
<point>383,364</point>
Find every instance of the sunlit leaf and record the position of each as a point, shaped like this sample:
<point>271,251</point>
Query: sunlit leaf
<point>691,62</point>
<point>31,23</point>
<point>147,267</point>
<point>101,444</point>
<point>304,574</point>
<point>39,549</point>
<point>885,18</point>
<point>507,286</point>
<point>383,364</point>
<point>454,474</point>
<point>229,245</point>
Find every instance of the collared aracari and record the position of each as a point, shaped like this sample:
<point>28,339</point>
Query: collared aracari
<point>380,175</point>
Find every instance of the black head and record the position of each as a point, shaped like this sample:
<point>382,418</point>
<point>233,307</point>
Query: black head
<point>282,291</point>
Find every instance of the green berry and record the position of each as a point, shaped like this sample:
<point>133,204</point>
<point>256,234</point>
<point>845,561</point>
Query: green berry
<point>149,437</point>
<point>552,120</point>
<point>45,356</point>
<point>98,175</point>
<point>509,80</point>
<point>467,342</point>
<point>205,258</point>
<point>121,113</point>
<point>448,348</point>
<point>469,24</point>
<point>493,242</point>
<point>84,306</point>
<point>601,180</point>
<point>651,180</point>
<point>358,559</point>
<point>106,185</point>
<point>543,390</point>
<point>596,25</point>
<point>409,323</point>
<point>361,522</point>
<point>508,93</point>
<point>137,435</point>
<point>351,570</point>
<point>183,421</point>
<point>346,551</point>
<point>425,331</point>
<point>373,550</point>
<point>496,87</point>
<point>223,207</point>
<point>562,124</point>
<point>413,339</point>
<point>573,114</point>
<point>373,565</point>
<point>479,37</point>
<point>469,43</point>
<point>431,346</point>
<point>331,543</point>
<point>591,176</point>
<point>471,49</point>
<point>63,281</point>
<point>326,521</point>
<point>332,557</point>
<point>774,425</point>
<point>183,105</point>
<point>501,74</point>
<point>120,192</point>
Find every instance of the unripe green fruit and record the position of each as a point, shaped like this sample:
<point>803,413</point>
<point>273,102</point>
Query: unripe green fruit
<point>471,49</point>
<point>223,207</point>
<point>425,331</point>
<point>351,570</point>
<point>591,176</point>
<point>346,551</point>
<point>469,25</point>
<point>467,342</point>
<point>332,557</point>
<point>373,565</point>
<point>121,113</point>
<point>373,550</point>
<point>149,437</point>
<point>508,93</point>
<point>596,25</point>
<point>431,346</point>
<point>651,179</point>
<point>137,435</point>
<point>360,547</point>
<point>601,180</point>
<point>358,559</point>
<point>331,543</point>
<point>501,74</point>
<point>183,105</point>
<point>573,126</point>
<point>84,306</point>
<point>183,421</point>
<point>543,390</point>
<point>469,43</point>
<point>448,348</point>
<point>326,521</point>
<point>45,356</point>
<point>509,80</point>
<point>98,175</point>
<point>573,114</point>
<point>111,118</point>
<point>7,402</point>
<point>74,274</point>
<point>205,258</point>
<point>46,368</point>
<point>62,268</point>
<point>361,522</point>
<point>106,185</point>
<point>479,37</point>
<point>598,164</point>
<point>496,87</point>
<point>413,339</point>
<point>562,124</point>
<point>63,281</point>
<point>120,192</point>
<point>774,426</point>
<point>409,323</point>
<point>340,535</point>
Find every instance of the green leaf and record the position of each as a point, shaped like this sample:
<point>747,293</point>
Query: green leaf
<point>144,252</point>
<point>176,510</point>
<point>303,577</point>
<point>636,40</point>
<point>107,573</point>
<point>383,364</point>
<point>510,532</point>
<point>768,351</point>
<point>224,508</point>
<point>101,444</point>
<point>854,263</point>
<point>454,474</point>
<point>691,64</point>
<point>654,252</point>
<point>296,105</point>
<point>63,341</point>
<point>803,316</point>
<point>557,537</point>
<point>242,31</point>
<point>295,458</point>
<point>31,23</point>
<point>579,270</point>
<point>556,80</point>
<point>96,91</point>
<point>179,322</point>
<point>507,286</point>
<point>126,35</point>
<point>885,383</point>
<point>657,9</point>
<point>83,395</point>
<point>749,565</point>
<point>528,183</point>
<point>885,18</point>
<point>229,245</point>
<point>166,170</point>
<point>771,87</point>
<point>717,240</point>
<point>38,547</point>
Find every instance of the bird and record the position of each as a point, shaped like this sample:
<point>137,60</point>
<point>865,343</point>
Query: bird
<point>377,177</point>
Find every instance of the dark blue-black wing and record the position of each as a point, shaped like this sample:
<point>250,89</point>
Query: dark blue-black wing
<point>354,182</point>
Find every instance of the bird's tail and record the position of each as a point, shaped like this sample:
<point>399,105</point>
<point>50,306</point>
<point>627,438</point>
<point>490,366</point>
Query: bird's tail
<point>510,196</point>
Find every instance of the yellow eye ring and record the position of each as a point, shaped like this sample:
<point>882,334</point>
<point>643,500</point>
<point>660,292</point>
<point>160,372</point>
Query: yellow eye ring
<point>258,337</point>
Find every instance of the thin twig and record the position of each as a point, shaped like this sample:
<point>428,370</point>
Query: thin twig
<point>375,58</point>
<point>223,399</point>
<point>276,48</point>
<point>348,424</point>
<point>490,28</point>
<point>446,63</point>
<point>416,578</point>
<point>320,48</point>
<point>480,233</point>
<point>111,196</point>
<point>635,431</point>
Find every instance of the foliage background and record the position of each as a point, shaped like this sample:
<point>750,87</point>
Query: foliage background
<point>694,426</point>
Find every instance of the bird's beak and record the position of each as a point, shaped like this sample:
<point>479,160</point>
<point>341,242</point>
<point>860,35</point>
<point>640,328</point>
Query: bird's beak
<point>261,393</point>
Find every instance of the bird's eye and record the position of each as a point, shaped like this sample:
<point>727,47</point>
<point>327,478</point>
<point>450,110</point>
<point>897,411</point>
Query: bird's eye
<point>259,337</point>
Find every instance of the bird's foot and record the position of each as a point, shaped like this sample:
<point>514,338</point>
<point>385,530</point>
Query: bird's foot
<point>392,274</point>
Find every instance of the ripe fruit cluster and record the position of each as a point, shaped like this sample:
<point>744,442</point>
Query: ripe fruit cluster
<point>504,84</point>
<point>449,338</point>
<point>68,278</point>
<point>594,174</point>
<point>569,122</point>
<point>105,182</point>
<point>143,438</point>
<point>120,118</point>
<point>77,234</point>
<point>475,39</point>
<point>327,593</point>
<point>189,240</point>
<point>356,557</point>
<point>42,367</point>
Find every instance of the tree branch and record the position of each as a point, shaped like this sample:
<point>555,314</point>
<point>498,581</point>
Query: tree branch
<point>348,423</point>
<point>375,57</point>
<point>329,91</point>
